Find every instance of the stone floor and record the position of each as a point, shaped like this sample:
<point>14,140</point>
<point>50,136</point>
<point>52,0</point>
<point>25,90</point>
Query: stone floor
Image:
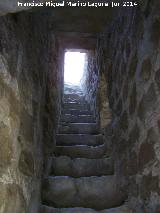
<point>82,177</point>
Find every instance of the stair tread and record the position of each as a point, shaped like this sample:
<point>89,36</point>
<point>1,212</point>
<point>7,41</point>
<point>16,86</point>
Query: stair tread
<point>121,209</point>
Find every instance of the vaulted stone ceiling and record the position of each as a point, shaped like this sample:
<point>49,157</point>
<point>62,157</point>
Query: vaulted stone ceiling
<point>79,20</point>
<point>83,19</point>
<point>10,6</point>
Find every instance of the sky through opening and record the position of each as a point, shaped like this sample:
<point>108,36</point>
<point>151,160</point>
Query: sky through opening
<point>74,67</point>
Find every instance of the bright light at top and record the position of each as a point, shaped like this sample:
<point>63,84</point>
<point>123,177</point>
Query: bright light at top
<point>74,67</point>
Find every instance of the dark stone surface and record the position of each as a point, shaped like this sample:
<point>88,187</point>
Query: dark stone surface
<point>124,121</point>
<point>75,119</point>
<point>146,69</point>
<point>134,134</point>
<point>150,184</point>
<point>157,78</point>
<point>133,66</point>
<point>155,31</point>
<point>81,167</point>
<point>133,101</point>
<point>26,163</point>
<point>147,103</point>
<point>78,139</point>
<point>146,154</point>
<point>79,128</point>
<point>125,90</point>
<point>88,192</point>
<point>81,151</point>
<point>119,108</point>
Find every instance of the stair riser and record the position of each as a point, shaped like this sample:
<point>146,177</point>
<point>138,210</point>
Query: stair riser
<point>75,106</point>
<point>79,129</point>
<point>76,112</point>
<point>80,167</point>
<point>77,119</point>
<point>76,101</point>
<point>94,192</point>
<point>75,139</point>
<point>79,101</point>
<point>81,151</point>
<point>73,97</point>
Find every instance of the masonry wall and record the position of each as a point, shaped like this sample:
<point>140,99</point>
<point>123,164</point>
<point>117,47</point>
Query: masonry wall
<point>29,103</point>
<point>95,87</point>
<point>130,54</point>
<point>90,82</point>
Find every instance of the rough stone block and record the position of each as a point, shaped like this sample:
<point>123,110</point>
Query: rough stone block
<point>26,163</point>
<point>79,167</point>
<point>88,192</point>
<point>11,199</point>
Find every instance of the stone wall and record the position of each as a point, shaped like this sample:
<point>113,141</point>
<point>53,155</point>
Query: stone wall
<point>131,58</point>
<point>95,87</point>
<point>103,101</point>
<point>29,103</point>
<point>90,81</point>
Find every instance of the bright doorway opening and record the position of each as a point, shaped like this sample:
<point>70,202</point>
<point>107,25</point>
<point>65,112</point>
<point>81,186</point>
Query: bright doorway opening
<point>74,66</point>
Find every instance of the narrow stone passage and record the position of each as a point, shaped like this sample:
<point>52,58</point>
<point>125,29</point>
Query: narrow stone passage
<point>82,176</point>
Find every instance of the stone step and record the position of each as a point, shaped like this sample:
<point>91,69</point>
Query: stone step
<point>78,139</point>
<point>80,101</point>
<point>71,105</point>
<point>121,209</point>
<point>76,112</point>
<point>68,118</point>
<point>90,192</point>
<point>82,151</point>
<point>81,167</point>
<point>74,97</point>
<point>78,128</point>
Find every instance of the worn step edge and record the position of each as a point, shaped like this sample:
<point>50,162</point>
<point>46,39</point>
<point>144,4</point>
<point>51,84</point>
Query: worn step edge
<point>121,209</point>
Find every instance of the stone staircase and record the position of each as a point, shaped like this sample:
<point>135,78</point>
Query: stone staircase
<point>82,177</point>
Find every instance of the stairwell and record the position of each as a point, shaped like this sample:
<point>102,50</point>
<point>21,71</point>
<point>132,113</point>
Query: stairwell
<point>82,175</point>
